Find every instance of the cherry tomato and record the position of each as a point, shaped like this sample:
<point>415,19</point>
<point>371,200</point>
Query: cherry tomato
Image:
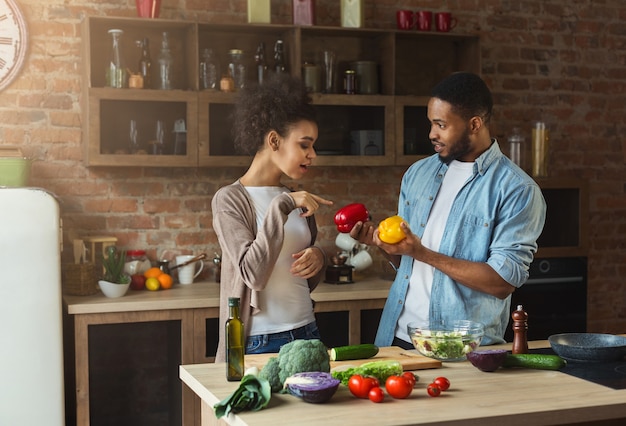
<point>443,383</point>
<point>360,386</point>
<point>433,390</point>
<point>398,387</point>
<point>410,377</point>
<point>376,394</point>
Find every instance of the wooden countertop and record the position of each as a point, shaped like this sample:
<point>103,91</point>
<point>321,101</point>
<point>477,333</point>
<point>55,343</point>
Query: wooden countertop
<point>206,295</point>
<point>511,396</point>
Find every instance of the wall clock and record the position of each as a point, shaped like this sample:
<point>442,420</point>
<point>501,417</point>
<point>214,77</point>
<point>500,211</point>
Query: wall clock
<point>13,41</point>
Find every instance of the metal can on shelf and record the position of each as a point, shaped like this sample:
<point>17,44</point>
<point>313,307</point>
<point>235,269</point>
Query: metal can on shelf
<point>349,82</point>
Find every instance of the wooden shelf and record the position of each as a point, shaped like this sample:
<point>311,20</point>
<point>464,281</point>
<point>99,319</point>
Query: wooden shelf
<point>409,64</point>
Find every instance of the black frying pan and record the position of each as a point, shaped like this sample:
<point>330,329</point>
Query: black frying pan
<point>588,347</point>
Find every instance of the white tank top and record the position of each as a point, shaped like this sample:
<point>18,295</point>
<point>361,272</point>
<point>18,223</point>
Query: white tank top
<point>285,303</point>
<point>417,304</point>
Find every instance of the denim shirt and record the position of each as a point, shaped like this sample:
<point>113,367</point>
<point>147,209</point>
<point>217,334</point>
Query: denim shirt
<point>496,218</point>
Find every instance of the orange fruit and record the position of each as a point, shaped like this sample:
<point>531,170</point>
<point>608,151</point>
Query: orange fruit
<point>152,272</point>
<point>153,284</point>
<point>165,280</point>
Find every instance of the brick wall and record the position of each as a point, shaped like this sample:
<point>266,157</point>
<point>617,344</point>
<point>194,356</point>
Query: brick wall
<point>562,62</point>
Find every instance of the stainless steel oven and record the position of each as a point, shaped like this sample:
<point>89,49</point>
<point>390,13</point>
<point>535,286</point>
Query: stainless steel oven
<point>554,296</point>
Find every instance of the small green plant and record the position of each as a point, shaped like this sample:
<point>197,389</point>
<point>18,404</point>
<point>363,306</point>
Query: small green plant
<point>113,264</point>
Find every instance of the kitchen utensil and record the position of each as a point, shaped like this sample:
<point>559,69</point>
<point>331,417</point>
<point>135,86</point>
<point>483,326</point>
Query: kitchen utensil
<point>588,347</point>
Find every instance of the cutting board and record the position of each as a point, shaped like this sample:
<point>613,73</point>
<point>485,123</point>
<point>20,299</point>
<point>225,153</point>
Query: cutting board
<point>410,360</point>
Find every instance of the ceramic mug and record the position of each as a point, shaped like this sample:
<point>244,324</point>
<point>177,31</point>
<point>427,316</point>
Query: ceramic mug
<point>360,261</point>
<point>424,19</point>
<point>186,274</point>
<point>444,21</point>
<point>346,242</point>
<point>404,19</point>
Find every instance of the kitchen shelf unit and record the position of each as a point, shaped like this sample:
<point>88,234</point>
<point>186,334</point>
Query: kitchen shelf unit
<point>410,63</point>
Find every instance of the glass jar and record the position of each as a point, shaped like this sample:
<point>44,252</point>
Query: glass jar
<point>516,140</point>
<point>236,68</point>
<point>116,74</point>
<point>165,65</point>
<point>208,71</point>
<point>349,82</point>
<point>279,57</point>
<point>136,262</point>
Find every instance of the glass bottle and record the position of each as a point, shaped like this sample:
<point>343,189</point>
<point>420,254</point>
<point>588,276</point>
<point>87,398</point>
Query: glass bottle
<point>134,142</point>
<point>236,69</point>
<point>116,74</point>
<point>516,139</point>
<point>165,64</point>
<point>145,63</point>
<point>234,342</point>
<point>279,57</point>
<point>208,71</point>
<point>261,65</point>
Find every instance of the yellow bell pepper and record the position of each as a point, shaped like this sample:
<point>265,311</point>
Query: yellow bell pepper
<point>389,230</point>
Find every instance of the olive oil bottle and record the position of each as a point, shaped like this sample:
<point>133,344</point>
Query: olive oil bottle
<point>234,342</point>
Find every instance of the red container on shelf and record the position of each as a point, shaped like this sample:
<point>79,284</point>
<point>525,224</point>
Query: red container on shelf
<point>304,12</point>
<point>148,8</point>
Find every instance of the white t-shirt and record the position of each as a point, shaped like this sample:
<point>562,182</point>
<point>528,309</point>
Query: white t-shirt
<point>417,303</point>
<point>285,302</point>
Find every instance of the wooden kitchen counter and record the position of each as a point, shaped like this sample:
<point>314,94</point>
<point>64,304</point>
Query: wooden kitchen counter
<point>191,305</point>
<point>511,397</point>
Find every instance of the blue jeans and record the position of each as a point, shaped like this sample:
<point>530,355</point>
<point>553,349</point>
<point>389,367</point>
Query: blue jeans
<point>271,343</point>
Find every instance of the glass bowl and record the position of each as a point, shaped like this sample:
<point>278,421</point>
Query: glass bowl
<point>446,340</point>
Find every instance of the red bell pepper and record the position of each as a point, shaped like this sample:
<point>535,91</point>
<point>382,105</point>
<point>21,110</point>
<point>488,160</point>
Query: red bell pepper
<point>347,216</point>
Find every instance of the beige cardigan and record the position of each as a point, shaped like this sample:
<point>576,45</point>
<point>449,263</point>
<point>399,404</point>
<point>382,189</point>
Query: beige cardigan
<point>248,253</point>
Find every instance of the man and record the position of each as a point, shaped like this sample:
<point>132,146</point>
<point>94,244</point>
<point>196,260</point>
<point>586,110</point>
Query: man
<point>472,221</point>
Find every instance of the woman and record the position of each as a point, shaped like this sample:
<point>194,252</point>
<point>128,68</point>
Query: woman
<point>267,232</point>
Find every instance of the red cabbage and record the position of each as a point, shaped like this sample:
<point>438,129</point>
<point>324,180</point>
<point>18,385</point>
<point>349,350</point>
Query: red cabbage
<point>315,387</point>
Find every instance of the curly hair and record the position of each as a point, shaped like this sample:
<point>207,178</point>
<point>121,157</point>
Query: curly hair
<point>467,93</point>
<point>277,104</point>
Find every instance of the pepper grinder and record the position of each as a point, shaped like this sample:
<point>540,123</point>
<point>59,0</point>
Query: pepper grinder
<point>520,329</point>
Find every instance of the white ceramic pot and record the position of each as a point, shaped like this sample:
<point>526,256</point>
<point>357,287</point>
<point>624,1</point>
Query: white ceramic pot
<point>113,290</point>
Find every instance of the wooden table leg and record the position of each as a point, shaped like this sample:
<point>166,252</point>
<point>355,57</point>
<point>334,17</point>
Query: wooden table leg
<point>81,349</point>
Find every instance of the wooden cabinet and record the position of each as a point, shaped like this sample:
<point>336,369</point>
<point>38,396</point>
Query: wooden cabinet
<point>391,124</point>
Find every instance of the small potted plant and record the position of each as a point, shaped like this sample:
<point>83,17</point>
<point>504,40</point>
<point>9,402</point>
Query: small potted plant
<point>115,281</point>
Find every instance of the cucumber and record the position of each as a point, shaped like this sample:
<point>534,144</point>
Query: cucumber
<point>363,351</point>
<point>536,361</point>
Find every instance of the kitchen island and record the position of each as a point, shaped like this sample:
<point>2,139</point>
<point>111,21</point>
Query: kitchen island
<point>190,306</point>
<point>505,397</point>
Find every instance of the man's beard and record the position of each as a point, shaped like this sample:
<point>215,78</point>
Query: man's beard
<point>460,148</point>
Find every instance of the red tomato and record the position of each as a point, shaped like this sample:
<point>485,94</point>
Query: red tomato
<point>376,394</point>
<point>443,383</point>
<point>360,386</point>
<point>433,390</point>
<point>410,377</point>
<point>398,387</point>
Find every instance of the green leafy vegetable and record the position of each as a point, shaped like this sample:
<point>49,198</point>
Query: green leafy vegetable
<point>381,370</point>
<point>298,356</point>
<point>253,394</point>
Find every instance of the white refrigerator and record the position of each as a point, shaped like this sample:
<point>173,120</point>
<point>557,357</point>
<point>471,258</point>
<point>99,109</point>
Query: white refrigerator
<point>31,348</point>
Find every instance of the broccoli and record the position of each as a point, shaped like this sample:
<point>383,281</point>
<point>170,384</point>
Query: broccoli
<point>299,356</point>
<point>270,373</point>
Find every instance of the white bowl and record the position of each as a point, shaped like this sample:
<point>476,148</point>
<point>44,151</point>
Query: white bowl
<point>113,290</point>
